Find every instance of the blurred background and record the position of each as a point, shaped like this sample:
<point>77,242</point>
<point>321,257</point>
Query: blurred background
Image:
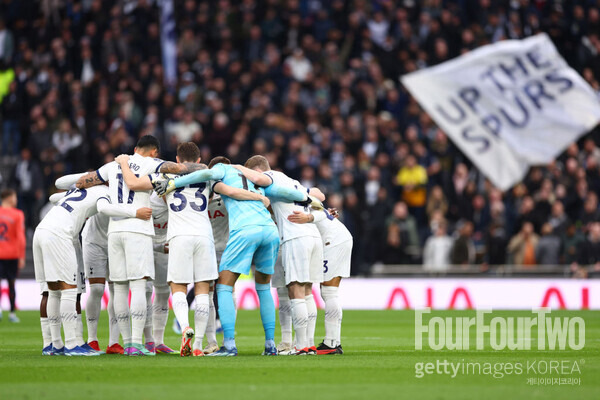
<point>314,86</point>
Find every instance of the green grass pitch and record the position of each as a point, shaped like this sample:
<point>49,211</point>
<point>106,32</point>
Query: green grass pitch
<point>379,363</point>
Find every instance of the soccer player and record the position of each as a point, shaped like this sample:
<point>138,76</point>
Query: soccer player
<point>337,254</point>
<point>158,311</point>
<point>94,246</point>
<point>131,261</point>
<point>302,255</point>
<point>56,259</point>
<point>95,260</point>
<point>252,238</point>
<point>12,245</point>
<point>219,221</point>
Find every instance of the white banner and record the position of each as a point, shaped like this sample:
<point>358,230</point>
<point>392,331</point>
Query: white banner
<point>409,293</point>
<point>508,105</point>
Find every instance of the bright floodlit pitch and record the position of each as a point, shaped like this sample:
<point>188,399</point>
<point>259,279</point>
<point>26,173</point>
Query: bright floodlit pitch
<point>378,364</point>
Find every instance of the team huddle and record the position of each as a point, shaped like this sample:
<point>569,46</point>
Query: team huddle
<point>144,225</point>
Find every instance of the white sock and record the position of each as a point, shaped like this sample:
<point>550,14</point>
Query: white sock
<point>138,309</point>
<point>68,315</point>
<point>92,310</point>
<point>181,309</point>
<point>285,315</point>
<point>300,321</point>
<point>53,311</point>
<point>333,316</point>
<point>148,336</point>
<point>113,325</point>
<point>46,334</point>
<point>211,326</point>
<point>121,306</point>
<point>160,313</point>
<point>311,307</point>
<point>80,341</point>
<point>201,316</point>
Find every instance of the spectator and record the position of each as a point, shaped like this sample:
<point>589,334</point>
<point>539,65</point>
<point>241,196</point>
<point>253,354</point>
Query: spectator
<point>7,43</point>
<point>548,249</point>
<point>463,249</point>
<point>12,109</point>
<point>436,253</point>
<point>436,202</point>
<point>521,247</point>
<point>412,179</point>
<point>559,219</point>
<point>402,244</point>
<point>495,245</point>
<point>572,241</point>
<point>300,66</point>
<point>27,178</point>
<point>589,254</point>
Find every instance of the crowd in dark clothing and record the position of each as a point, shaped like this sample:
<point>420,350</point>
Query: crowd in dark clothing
<point>314,86</point>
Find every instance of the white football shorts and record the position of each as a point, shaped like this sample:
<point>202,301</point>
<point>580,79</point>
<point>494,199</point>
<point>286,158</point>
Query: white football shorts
<point>336,260</point>
<point>302,260</point>
<point>54,258</point>
<point>192,259</point>
<point>161,263</point>
<point>130,256</point>
<point>95,260</point>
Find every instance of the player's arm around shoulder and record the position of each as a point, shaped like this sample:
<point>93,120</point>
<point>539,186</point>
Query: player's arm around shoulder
<point>255,177</point>
<point>133,182</point>
<point>239,194</point>
<point>88,180</point>
<point>170,167</point>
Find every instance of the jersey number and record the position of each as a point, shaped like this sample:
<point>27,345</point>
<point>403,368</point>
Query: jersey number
<point>82,193</point>
<point>183,201</point>
<point>245,183</point>
<point>325,267</point>
<point>3,230</point>
<point>120,190</point>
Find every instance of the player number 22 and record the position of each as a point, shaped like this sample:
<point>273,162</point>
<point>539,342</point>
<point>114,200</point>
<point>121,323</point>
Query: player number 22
<point>183,201</point>
<point>80,195</point>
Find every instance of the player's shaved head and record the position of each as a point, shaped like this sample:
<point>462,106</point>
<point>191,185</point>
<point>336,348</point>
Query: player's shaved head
<point>259,162</point>
<point>219,160</point>
<point>188,152</point>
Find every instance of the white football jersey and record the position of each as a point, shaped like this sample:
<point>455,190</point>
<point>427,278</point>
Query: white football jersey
<point>289,230</point>
<point>332,230</point>
<point>67,217</point>
<point>96,230</point>
<point>160,214</point>
<point>120,193</point>
<point>219,219</point>
<point>188,211</point>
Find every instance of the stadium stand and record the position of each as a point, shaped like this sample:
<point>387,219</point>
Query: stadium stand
<point>313,85</point>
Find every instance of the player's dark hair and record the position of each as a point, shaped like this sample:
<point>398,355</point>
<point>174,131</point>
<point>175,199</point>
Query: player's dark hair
<point>258,162</point>
<point>218,160</point>
<point>148,142</point>
<point>6,193</point>
<point>188,151</point>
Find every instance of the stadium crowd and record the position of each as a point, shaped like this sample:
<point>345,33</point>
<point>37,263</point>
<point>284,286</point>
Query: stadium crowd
<point>312,85</point>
